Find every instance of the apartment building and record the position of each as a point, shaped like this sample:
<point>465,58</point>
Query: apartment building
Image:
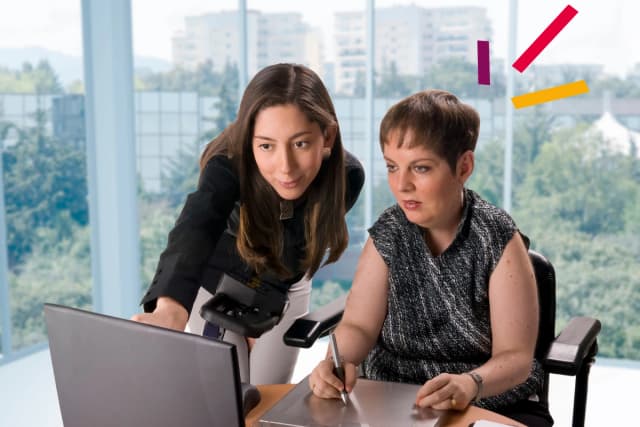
<point>271,37</point>
<point>413,38</point>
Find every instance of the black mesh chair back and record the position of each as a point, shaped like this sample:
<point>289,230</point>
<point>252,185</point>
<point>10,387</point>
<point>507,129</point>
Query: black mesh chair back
<point>546,281</point>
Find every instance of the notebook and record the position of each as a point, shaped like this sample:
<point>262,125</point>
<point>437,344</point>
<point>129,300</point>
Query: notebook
<point>371,404</point>
<point>115,372</point>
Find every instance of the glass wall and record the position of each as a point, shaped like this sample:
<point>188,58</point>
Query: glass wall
<point>186,83</point>
<point>45,217</point>
<point>576,166</point>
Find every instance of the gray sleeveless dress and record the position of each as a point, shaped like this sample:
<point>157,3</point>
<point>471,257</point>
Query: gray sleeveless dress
<point>438,308</point>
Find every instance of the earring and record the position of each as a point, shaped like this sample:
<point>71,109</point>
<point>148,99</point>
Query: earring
<point>326,153</point>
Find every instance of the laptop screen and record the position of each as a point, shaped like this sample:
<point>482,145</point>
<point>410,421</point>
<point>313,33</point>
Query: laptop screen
<point>116,372</point>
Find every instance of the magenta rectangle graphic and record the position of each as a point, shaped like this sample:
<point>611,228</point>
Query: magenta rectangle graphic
<point>484,70</point>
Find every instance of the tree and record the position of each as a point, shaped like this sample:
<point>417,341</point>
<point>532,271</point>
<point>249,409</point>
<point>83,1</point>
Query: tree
<point>359,89</point>
<point>391,84</point>
<point>576,203</point>
<point>202,80</point>
<point>156,220</point>
<point>58,270</point>
<point>179,176</point>
<point>45,187</point>
<point>534,128</point>
<point>487,178</point>
<point>461,78</point>
<point>576,180</point>
<point>618,87</point>
<point>228,97</point>
<point>30,79</point>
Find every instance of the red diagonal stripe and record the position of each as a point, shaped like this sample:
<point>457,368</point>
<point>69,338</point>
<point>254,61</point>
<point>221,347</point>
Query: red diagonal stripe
<point>545,38</point>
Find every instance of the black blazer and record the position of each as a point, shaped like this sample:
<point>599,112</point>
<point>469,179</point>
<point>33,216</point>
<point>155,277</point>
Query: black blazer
<point>201,245</point>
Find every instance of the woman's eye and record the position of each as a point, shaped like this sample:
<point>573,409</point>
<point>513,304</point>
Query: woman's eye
<point>422,169</point>
<point>391,168</point>
<point>301,144</point>
<point>264,147</point>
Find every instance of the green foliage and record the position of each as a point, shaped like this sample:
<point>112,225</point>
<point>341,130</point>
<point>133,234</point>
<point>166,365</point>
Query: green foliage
<point>328,291</point>
<point>228,97</point>
<point>533,129</point>
<point>393,85</point>
<point>617,87</point>
<point>461,78</point>
<point>58,270</point>
<point>45,187</point>
<point>180,174</point>
<point>39,79</point>
<point>487,178</point>
<point>203,80</point>
<point>579,205</point>
<point>575,180</point>
<point>156,220</point>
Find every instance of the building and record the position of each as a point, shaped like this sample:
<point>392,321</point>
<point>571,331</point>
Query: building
<point>168,122</point>
<point>271,37</point>
<point>412,38</point>
<point>214,37</point>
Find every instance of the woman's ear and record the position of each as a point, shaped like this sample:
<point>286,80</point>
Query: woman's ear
<point>466,163</point>
<point>330,136</point>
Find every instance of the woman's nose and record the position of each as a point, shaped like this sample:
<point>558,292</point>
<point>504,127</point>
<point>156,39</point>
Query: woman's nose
<point>286,161</point>
<point>404,181</point>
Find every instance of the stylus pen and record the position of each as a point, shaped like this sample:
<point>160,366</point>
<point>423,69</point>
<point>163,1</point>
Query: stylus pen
<point>338,369</point>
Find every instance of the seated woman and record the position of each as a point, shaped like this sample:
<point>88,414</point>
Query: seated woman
<point>444,294</point>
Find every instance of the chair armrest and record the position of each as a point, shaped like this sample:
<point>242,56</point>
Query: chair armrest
<point>318,323</point>
<point>576,342</point>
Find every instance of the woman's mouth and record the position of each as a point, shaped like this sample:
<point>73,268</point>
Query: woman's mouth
<point>411,204</point>
<point>289,184</point>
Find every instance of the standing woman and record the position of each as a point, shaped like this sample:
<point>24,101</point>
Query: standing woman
<point>272,197</point>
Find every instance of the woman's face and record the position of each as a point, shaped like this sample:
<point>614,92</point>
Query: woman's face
<point>288,149</point>
<point>425,187</point>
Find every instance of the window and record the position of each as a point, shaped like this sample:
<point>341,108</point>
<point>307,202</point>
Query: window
<point>576,168</point>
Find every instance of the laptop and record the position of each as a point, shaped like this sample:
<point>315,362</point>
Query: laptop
<point>371,404</point>
<point>116,372</point>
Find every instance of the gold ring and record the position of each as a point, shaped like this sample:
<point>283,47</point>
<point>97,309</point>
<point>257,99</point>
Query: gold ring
<point>453,402</point>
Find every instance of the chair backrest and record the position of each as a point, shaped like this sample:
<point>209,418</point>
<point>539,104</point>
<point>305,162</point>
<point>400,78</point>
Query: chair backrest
<point>546,281</point>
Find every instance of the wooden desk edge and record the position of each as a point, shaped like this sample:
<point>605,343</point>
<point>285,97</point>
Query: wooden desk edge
<point>272,393</point>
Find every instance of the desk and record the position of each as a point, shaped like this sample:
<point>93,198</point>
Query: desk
<point>272,393</point>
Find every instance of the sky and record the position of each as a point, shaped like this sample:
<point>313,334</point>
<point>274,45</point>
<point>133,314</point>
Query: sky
<point>603,31</point>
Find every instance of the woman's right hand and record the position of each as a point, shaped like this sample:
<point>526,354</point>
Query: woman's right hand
<point>325,384</point>
<point>169,313</point>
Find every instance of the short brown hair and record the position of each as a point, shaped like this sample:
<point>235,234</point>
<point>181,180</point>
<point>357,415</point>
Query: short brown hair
<point>437,120</point>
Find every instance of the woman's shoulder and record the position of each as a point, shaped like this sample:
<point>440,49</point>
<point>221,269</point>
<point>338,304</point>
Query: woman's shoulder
<point>389,222</point>
<point>354,175</point>
<point>492,226</point>
<point>351,162</point>
<point>354,170</point>
<point>487,213</point>
<point>218,173</point>
<point>389,233</point>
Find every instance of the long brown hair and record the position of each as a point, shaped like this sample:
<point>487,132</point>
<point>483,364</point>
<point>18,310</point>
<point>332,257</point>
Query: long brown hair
<point>260,234</point>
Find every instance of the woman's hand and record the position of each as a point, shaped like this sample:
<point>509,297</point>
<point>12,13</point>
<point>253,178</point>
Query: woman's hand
<point>325,384</point>
<point>447,391</point>
<point>169,313</point>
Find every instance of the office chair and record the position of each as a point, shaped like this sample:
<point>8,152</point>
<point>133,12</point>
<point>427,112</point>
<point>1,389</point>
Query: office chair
<point>572,352</point>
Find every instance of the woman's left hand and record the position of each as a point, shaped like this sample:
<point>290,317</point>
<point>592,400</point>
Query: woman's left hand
<point>447,391</point>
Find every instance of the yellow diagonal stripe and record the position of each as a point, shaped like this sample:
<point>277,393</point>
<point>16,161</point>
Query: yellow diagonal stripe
<point>550,94</point>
